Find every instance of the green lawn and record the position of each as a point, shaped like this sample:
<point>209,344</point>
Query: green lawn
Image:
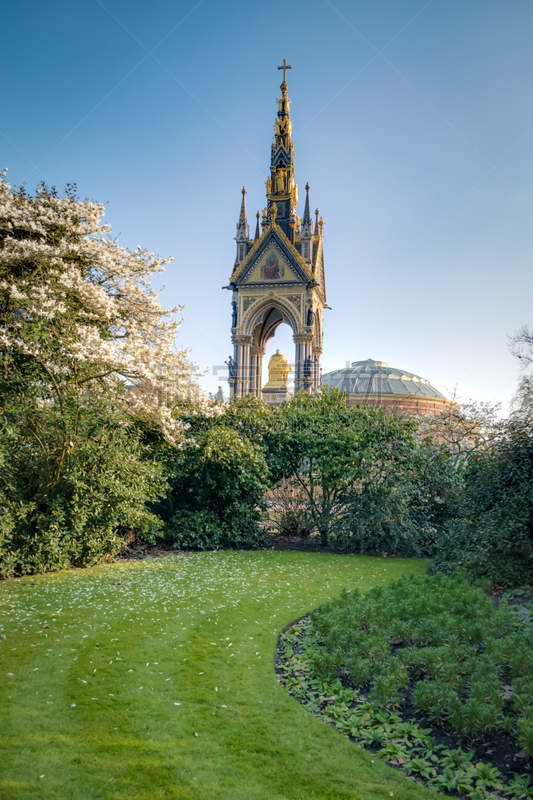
<point>156,679</point>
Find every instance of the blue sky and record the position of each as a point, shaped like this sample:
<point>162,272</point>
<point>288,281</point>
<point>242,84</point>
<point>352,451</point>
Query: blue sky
<point>412,122</point>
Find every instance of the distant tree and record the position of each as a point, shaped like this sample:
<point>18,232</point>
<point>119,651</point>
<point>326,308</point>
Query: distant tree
<point>465,428</point>
<point>363,471</point>
<point>522,403</point>
<point>521,345</point>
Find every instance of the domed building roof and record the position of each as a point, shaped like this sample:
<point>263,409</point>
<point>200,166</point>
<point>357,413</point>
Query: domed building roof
<point>374,382</point>
<point>376,377</point>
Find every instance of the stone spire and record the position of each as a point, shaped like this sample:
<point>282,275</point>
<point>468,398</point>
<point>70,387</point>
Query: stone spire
<point>281,189</point>
<point>242,225</point>
<point>307,222</point>
<point>306,231</point>
<point>243,230</point>
<point>278,277</point>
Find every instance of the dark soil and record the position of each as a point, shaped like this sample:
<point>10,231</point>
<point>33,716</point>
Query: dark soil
<point>309,545</point>
<point>277,542</point>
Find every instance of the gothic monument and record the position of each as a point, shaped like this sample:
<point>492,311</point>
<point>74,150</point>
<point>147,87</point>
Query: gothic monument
<point>278,277</point>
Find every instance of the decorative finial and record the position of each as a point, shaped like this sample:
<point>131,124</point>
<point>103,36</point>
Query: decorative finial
<point>317,212</point>
<point>307,187</point>
<point>284,67</point>
<point>257,230</point>
<point>243,191</point>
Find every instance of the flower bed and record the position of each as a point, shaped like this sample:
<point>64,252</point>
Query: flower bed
<point>429,674</point>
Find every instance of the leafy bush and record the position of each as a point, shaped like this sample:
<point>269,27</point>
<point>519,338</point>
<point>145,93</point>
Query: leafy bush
<point>71,506</point>
<point>491,533</point>
<point>400,501</point>
<point>216,491</point>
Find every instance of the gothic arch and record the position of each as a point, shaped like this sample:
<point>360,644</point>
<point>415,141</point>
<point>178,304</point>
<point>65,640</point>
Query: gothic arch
<point>259,315</point>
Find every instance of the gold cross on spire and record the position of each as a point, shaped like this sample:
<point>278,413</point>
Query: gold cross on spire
<point>285,67</point>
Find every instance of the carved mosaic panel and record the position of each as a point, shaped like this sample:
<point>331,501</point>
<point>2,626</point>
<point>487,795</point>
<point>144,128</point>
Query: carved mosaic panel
<point>295,299</point>
<point>271,268</point>
<point>247,302</point>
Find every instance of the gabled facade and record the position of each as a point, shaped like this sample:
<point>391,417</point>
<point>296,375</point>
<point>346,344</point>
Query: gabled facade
<point>279,275</point>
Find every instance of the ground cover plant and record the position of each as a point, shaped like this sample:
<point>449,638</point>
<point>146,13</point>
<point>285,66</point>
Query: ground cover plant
<point>108,673</point>
<point>430,675</point>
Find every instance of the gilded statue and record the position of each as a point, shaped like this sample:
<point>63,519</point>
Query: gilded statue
<point>283,126</point>
<point>278,371</point>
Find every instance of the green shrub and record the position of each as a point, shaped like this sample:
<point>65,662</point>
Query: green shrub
<point>216,491</point>
<point>491,533</point>
<point>74,511</point>
<point>368,483</point>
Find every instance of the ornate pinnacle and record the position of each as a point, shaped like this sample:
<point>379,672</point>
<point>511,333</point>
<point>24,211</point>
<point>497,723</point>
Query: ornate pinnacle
<point>307,222</point>
<point>242,216</point>
<point>242,225</point>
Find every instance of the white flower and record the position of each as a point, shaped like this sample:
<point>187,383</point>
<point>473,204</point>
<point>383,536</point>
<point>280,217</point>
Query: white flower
<point>93,298</point>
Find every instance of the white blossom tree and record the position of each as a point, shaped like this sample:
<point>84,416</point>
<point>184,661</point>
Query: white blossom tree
<point>77,311</point>
<point>89,372</point>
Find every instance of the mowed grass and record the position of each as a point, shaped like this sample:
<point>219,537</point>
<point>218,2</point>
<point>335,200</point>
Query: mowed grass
<point>156,678</point>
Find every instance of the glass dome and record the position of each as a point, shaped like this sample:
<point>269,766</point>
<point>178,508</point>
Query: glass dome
<point>377,378</point>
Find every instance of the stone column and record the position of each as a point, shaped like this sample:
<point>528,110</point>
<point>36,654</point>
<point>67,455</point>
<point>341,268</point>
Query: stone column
<point>242,357</point>
<point>304,346</point>
<point>259,374</point>
<point>253,372</point>
<point>256,370</point>
<point>317,372</point>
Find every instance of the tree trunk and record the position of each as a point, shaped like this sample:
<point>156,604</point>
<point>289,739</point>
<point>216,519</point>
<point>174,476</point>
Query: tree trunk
<point>323,528</point>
